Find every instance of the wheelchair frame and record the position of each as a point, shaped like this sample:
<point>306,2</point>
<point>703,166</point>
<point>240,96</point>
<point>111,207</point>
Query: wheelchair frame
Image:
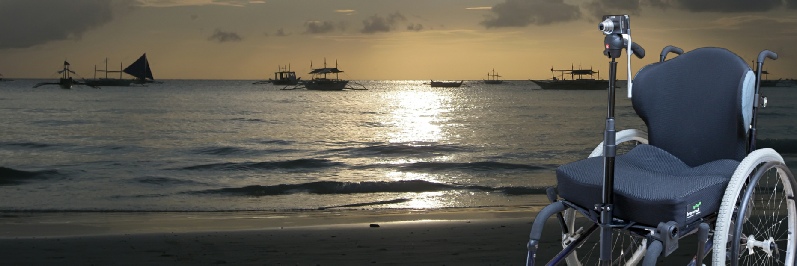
<point>664,238</point>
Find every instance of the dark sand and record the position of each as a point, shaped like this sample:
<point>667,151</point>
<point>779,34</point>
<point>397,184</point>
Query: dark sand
<point>439,237</point>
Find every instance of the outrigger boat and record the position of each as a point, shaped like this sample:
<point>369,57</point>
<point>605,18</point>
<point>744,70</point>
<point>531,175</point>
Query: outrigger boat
<point>66,81</point>
<point>577,80</point>
<point>283,76</point>
<point>446,84</point>
<point>320,81</point>
<point>493,78</point>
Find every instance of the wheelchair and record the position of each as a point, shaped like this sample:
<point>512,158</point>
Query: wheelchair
<point>694,172</point>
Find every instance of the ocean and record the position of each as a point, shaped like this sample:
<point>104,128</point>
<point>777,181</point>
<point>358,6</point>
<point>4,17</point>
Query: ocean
<point>230,145</point>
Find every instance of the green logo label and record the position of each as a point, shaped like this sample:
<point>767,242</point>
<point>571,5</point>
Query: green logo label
<point>694,211</point>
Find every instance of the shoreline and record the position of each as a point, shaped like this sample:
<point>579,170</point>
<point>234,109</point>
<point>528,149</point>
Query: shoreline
<point>460,236</point>
<point>22,224</point>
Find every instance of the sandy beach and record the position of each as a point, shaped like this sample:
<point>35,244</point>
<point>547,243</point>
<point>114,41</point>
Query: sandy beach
<point>406,237</point>
<point>349,237</point>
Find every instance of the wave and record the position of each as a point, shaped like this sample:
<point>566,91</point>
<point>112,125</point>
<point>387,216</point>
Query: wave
<point>451,166</point>
<point>26,144</point>
<point>402,149</point>
<point>165,181</point>
<point>9,176</point>
<point>335,187</point>
<point>290,164</point>
<point>783,146</point>
<point>227,150</point>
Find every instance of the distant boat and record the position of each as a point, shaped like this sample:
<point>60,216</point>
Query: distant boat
<point>446,84</point>
<point>580,79</point>
<point>493,78</point>
<point>284,76</point>
<point>139,69</point>
<point>4,79</point>
<point>772,82</point>
<point>320,81</point>
<point>66,81</point>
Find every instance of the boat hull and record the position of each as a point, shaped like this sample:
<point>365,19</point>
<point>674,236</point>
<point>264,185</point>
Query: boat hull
<point>326,85</point>
<point>109,82</point>
<point>493,81</point>
<point>579,84</point>
<point>445,84</point>
<point>284,81</point>
<point>66,83</point>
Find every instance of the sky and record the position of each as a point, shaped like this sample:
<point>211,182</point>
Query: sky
<point>376,39</point>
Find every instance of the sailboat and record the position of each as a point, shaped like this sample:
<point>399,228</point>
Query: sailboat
<point>141,70</point>
<point>138,69</point>
<point>493,78</point>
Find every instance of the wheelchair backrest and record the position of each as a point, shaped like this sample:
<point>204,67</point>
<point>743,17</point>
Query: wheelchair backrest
<point>697,106</point>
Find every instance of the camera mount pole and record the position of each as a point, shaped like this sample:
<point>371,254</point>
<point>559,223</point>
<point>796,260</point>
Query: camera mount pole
<point>613,48</point>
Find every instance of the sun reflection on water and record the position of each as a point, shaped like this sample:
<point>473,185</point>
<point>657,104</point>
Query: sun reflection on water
<point>417,116</point>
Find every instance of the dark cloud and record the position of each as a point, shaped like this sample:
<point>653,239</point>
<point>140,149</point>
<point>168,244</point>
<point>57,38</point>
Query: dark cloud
<point>377,23</point>
<point>728,5</point>
<point>29,23</point>
<point>521,13</point>
<point>791,4</point>
<point>598,8</point>
<point>314,27</point>
<point>281,33</point>
<point>223,36</point>
<point>415,27</point>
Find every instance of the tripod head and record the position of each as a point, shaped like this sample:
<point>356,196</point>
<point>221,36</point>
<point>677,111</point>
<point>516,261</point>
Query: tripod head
<point>617,29</point>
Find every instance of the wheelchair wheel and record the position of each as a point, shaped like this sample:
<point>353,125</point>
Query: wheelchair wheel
<point>757,219</point>
<point>625,244</point>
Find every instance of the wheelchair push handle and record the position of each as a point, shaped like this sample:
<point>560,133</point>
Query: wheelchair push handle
<point>638,50</point>
<point>669,49</point>
<point>766,54</point>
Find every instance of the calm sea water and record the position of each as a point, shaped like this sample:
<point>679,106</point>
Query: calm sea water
<point>190,145</point>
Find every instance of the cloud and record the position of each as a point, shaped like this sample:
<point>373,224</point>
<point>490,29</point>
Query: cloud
<point>171,3</point>
<point>26,23</point>
<point>281,33</point>
<point>377,23</point>
<point>223,36</point>
<point>727,5</point>
<point>415,27</point>
<point>598,8</point>
<point>521,13</point>
<point>316,27</point>
<point>791,4</point>
<point>479,8</point>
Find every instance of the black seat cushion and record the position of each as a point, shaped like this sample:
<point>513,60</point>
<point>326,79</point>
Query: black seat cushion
<point>650,186</point>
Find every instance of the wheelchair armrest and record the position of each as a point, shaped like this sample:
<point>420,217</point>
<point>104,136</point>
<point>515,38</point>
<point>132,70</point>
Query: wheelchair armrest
<point>623,136</point>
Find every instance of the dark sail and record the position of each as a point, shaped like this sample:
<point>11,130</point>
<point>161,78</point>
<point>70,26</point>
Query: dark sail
<point>140,68</point>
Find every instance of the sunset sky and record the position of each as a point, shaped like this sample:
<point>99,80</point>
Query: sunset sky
<point>375,39</point>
